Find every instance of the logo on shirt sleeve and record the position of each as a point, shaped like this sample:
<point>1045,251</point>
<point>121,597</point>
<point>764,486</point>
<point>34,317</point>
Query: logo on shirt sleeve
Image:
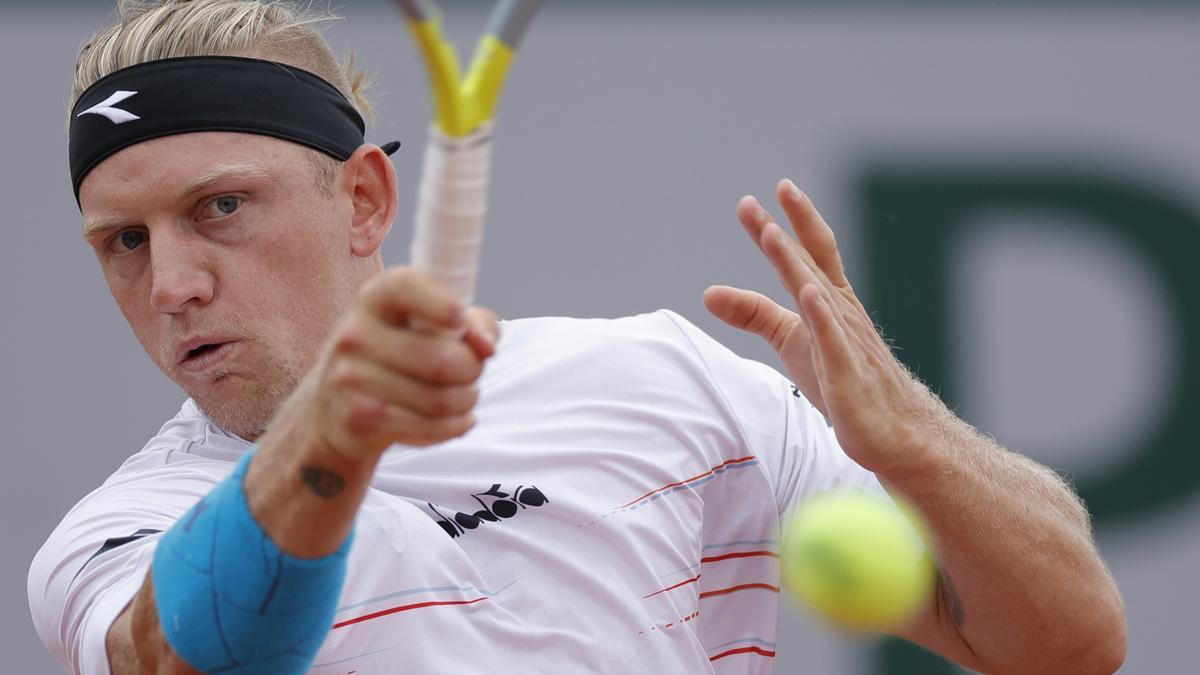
<point>110,544</point>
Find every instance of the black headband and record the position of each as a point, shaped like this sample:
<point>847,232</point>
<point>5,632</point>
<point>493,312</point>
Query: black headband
<point>210,93</point>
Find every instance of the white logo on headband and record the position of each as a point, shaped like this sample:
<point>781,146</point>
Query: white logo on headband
<point>115,115</point>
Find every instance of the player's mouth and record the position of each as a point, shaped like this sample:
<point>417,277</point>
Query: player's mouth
<point>199,355</point>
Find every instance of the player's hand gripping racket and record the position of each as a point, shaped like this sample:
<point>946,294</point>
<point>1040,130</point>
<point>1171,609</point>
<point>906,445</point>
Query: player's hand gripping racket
<point>452,197</point>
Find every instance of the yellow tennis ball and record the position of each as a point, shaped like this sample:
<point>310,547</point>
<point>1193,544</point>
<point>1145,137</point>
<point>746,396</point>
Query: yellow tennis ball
<point>858,560</point>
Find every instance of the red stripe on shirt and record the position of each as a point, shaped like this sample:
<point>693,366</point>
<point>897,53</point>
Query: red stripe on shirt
<point>742,587</point>
<point>740,554</point>
<point>744,650</point>
<point>688,480</point>
<point>671,588</point>
<point>403,608</point>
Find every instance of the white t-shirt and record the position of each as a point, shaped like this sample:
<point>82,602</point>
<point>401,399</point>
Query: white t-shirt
<point>615,510</point>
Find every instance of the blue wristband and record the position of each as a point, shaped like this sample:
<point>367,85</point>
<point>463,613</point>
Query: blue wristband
<point>229,600</point>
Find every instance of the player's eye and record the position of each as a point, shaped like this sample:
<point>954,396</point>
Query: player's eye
<point>222,206</point>
<point>128,240</point>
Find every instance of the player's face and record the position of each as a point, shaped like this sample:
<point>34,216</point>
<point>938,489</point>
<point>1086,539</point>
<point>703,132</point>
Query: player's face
<point>227,261</point>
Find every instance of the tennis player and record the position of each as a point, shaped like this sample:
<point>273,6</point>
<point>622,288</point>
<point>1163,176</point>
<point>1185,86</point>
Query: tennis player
<point>342,493</point>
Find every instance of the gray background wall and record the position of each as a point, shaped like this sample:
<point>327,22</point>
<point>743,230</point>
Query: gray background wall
<point>627,134</point>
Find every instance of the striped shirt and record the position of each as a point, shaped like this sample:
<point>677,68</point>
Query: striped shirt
<point>616,509</point>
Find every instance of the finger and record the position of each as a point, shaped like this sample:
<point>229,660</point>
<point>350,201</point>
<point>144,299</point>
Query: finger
<point>756,220</point>
<point>753,218</point>
<point>753,312</point>
<point>357,375</point>
<point>401,294</point>
<point>442,430</point>
<point>483,331</point>
<point>814,233</point>
<point>833,347</point>
<point>368,416</point>
<point>434,359</point>
<point>787,259</point>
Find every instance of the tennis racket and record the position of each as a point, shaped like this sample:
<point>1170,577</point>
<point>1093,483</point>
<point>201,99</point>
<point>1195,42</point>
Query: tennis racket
<point>452,196</point>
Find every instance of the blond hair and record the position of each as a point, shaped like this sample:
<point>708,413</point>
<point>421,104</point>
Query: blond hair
<point>268,29</point>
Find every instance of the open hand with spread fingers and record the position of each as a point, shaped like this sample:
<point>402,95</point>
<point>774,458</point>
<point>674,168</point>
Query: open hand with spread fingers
<point>883,417</point>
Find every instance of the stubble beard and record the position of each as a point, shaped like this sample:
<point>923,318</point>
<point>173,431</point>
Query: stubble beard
<point>243,397</point>
<point>248,413</point>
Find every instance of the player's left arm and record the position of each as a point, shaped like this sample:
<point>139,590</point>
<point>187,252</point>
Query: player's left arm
<point>1022,588</point>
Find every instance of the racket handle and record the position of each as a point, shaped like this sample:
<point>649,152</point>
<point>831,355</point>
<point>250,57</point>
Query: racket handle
<point>451,205</point>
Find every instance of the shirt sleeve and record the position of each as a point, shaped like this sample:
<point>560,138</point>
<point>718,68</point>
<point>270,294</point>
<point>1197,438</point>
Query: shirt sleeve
<point>795,446</point>
<point>97,558</point>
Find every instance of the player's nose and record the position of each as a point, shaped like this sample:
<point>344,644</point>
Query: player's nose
<point>179,276</point>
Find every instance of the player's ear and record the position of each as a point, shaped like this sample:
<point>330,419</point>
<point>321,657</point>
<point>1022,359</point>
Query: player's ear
<point>370,179</point>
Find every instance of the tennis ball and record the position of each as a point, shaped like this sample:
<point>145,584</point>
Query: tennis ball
<point>858,561</point>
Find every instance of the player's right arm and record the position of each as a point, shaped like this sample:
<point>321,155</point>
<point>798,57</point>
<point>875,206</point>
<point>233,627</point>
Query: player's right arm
<point>377,382</point>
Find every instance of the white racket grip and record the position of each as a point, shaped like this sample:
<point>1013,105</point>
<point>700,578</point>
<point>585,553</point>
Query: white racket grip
<point>451,205</point>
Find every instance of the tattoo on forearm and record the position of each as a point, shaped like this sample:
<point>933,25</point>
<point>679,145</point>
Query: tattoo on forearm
<point>323,482</point>
<point>953,602</point>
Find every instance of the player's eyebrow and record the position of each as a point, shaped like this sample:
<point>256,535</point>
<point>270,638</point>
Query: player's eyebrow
<point>219,173</point>
<point>93,226</point>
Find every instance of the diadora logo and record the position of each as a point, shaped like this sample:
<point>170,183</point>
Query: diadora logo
<point>106,108</point>
<point>495,505</point>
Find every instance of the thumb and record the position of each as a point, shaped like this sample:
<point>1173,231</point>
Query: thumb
<point>750,311</point>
